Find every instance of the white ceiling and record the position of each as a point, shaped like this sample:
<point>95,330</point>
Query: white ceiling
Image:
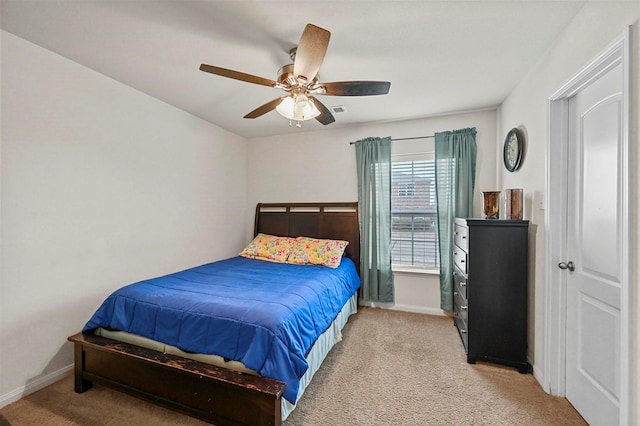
<point>440,56</point>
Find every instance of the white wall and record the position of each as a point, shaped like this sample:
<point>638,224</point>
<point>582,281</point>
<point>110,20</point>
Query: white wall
<point>595,27</point>
<point>101,185</point>
<point>321,166</point>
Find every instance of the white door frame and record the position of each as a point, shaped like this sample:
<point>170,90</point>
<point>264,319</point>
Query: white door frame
<point>555,289</point>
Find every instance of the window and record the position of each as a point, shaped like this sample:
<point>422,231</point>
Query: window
<point>414,238</point>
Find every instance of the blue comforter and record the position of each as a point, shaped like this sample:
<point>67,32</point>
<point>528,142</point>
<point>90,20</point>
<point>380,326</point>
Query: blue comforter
<point>266,315</point>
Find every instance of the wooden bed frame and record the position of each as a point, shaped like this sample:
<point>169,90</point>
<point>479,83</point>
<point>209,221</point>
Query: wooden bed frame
<point>211,393</point>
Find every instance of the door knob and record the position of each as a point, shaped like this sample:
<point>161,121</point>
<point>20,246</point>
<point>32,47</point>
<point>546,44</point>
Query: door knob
<point>567,265</point>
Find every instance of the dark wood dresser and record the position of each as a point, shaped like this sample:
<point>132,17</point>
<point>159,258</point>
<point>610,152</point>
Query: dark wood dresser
<point>490,259</point>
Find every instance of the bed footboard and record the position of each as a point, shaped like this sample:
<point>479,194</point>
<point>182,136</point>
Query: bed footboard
<point>210,393</point>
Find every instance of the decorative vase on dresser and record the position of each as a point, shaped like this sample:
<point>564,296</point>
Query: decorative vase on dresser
<point>490,259</point>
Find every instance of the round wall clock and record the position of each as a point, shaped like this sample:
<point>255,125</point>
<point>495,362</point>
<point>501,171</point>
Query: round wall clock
<point>513,147</point>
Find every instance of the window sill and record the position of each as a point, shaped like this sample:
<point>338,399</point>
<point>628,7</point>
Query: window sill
<point>408,270</point>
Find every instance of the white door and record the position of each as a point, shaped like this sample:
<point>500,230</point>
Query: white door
<point>594,248</point>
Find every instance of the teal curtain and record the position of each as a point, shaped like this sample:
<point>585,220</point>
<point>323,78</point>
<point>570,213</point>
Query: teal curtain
<point>373,158</point>
<point>455,181</point>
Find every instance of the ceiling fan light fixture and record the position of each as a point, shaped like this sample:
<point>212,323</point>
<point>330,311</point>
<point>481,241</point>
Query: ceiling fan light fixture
<point>298,108</point>
<point>305,108</point>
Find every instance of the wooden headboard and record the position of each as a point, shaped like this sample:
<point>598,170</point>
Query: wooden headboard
<point>336,221</point>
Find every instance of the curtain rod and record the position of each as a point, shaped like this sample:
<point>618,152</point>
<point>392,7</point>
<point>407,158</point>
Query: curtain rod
<point>406,139</point>
<point>417,137</point>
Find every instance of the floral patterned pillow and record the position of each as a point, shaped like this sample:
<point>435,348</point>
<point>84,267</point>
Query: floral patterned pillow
<point>317,252</point>
<point>269,247</point>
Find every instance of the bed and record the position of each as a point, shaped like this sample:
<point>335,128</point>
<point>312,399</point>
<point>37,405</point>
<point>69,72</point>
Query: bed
<point>178,375</point>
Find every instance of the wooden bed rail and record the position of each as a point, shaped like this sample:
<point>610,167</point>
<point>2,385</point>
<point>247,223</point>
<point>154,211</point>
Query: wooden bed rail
<point>210,393</point>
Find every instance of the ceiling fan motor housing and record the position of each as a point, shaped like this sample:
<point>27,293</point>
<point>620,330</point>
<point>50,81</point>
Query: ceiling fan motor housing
<point>285,76</point>
<point>288,79</point>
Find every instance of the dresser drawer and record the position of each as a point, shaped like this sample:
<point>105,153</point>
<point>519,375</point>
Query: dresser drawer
<point>460,259</point>
<point>462,329</point>
<point>460,283</point>
<point>461,236</point>
<point>460,306</point>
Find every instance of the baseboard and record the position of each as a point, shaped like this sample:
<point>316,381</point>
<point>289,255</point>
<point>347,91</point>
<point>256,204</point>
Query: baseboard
<point>406,308</point>
<point>537,374</point>
<point>34,385</point>
<point>419,310</point>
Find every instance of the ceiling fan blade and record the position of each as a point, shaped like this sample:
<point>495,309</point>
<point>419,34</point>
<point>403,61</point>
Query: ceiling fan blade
<point>263,109</point>
<point>310,53</point>
<point>356,88</point>
<point>325,116</point>
<point>237,75</point>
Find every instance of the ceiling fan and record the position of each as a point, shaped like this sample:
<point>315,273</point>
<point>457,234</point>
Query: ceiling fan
<point>300,81</point>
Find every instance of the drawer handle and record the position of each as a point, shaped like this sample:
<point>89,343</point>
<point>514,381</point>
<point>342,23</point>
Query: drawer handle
<point>464,307</point>
<point>463,331</point>
<point>455,293</point>
<point>463,284</point>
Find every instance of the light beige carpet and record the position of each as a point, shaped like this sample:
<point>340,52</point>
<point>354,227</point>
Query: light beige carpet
<point>392,368</point>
